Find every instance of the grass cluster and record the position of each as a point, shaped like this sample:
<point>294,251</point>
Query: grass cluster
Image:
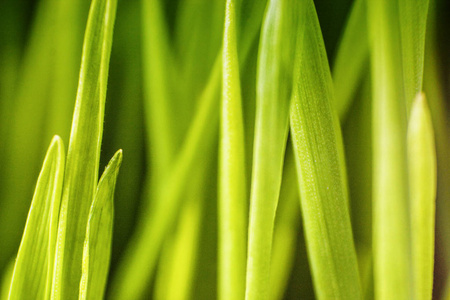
<point>274,149</point>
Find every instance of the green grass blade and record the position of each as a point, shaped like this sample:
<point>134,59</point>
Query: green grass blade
<point>34,261</point>
<point>391,248</point>
<point>324,200</point>
<point>413,20</point>
<point>351,58</point>
<point>232,208</point>
<point>422,191</point>
<point>280,31</point>
<point>97,245</point>
<point>285,230</point>
<point>84,149</point>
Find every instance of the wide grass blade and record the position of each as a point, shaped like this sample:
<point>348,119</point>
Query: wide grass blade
<point>280,31</point>
<point>97,245</point>
<point>422,191</point>
<point>34,263</point>
<point>322,179</point>
<point>351,58</point>
<point>232,208</point>
<point>84,149</point>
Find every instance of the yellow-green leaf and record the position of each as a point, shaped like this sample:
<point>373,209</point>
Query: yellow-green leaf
<point>422,191</point>
<point>97,245</point>
<point>322,179</point>
<point>34,263</point>
<point>83,156</point>
<point>232,208</point>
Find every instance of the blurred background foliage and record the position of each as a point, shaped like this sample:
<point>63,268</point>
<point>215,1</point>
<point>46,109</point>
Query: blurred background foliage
<point>40,50</point>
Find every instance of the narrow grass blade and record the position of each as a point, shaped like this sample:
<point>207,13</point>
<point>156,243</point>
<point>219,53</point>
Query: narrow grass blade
<point>413,20</point>
<point>280,31</point>
<point>351,58</point>
<point>391,243</point>
<point>324,200</point>
<point>97,245</point>
<point>422,191</point>
<point>434,89</point>
<point>232,208</point>
<point>33,263</point>
<point>84,149</point>
<point>285,231</point>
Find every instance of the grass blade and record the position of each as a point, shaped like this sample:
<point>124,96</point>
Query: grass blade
<point>422,191</point>
<point>84,149</point>
<point>280,31</point>
<point>232,208</point>
<point>351,58</point>
<point>390,213</point>
<point>97,245</point>
<point>285,230</point>
<point>324,200</point>
<point>34,261</point>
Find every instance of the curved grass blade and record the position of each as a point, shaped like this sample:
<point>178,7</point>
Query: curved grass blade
<point>422,191</point>
<point>352,56</point>
<point>84,149</point>
<point>97,245</point>
<point>279,35</point>
<point>324,200</point>
<point>232,208</point>
<point>35,260</point>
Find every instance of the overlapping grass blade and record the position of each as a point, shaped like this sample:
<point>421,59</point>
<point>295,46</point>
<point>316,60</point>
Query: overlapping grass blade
<point>232,208</point>
<point>280,31</point>
<point>285,230</point>
<point>397,62</point>
<point>324,201</point>
<point>422,191</point>
<point>84,149</point>
<point>97,244</point>
<point>34,263</point>
<point>351,57</point>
